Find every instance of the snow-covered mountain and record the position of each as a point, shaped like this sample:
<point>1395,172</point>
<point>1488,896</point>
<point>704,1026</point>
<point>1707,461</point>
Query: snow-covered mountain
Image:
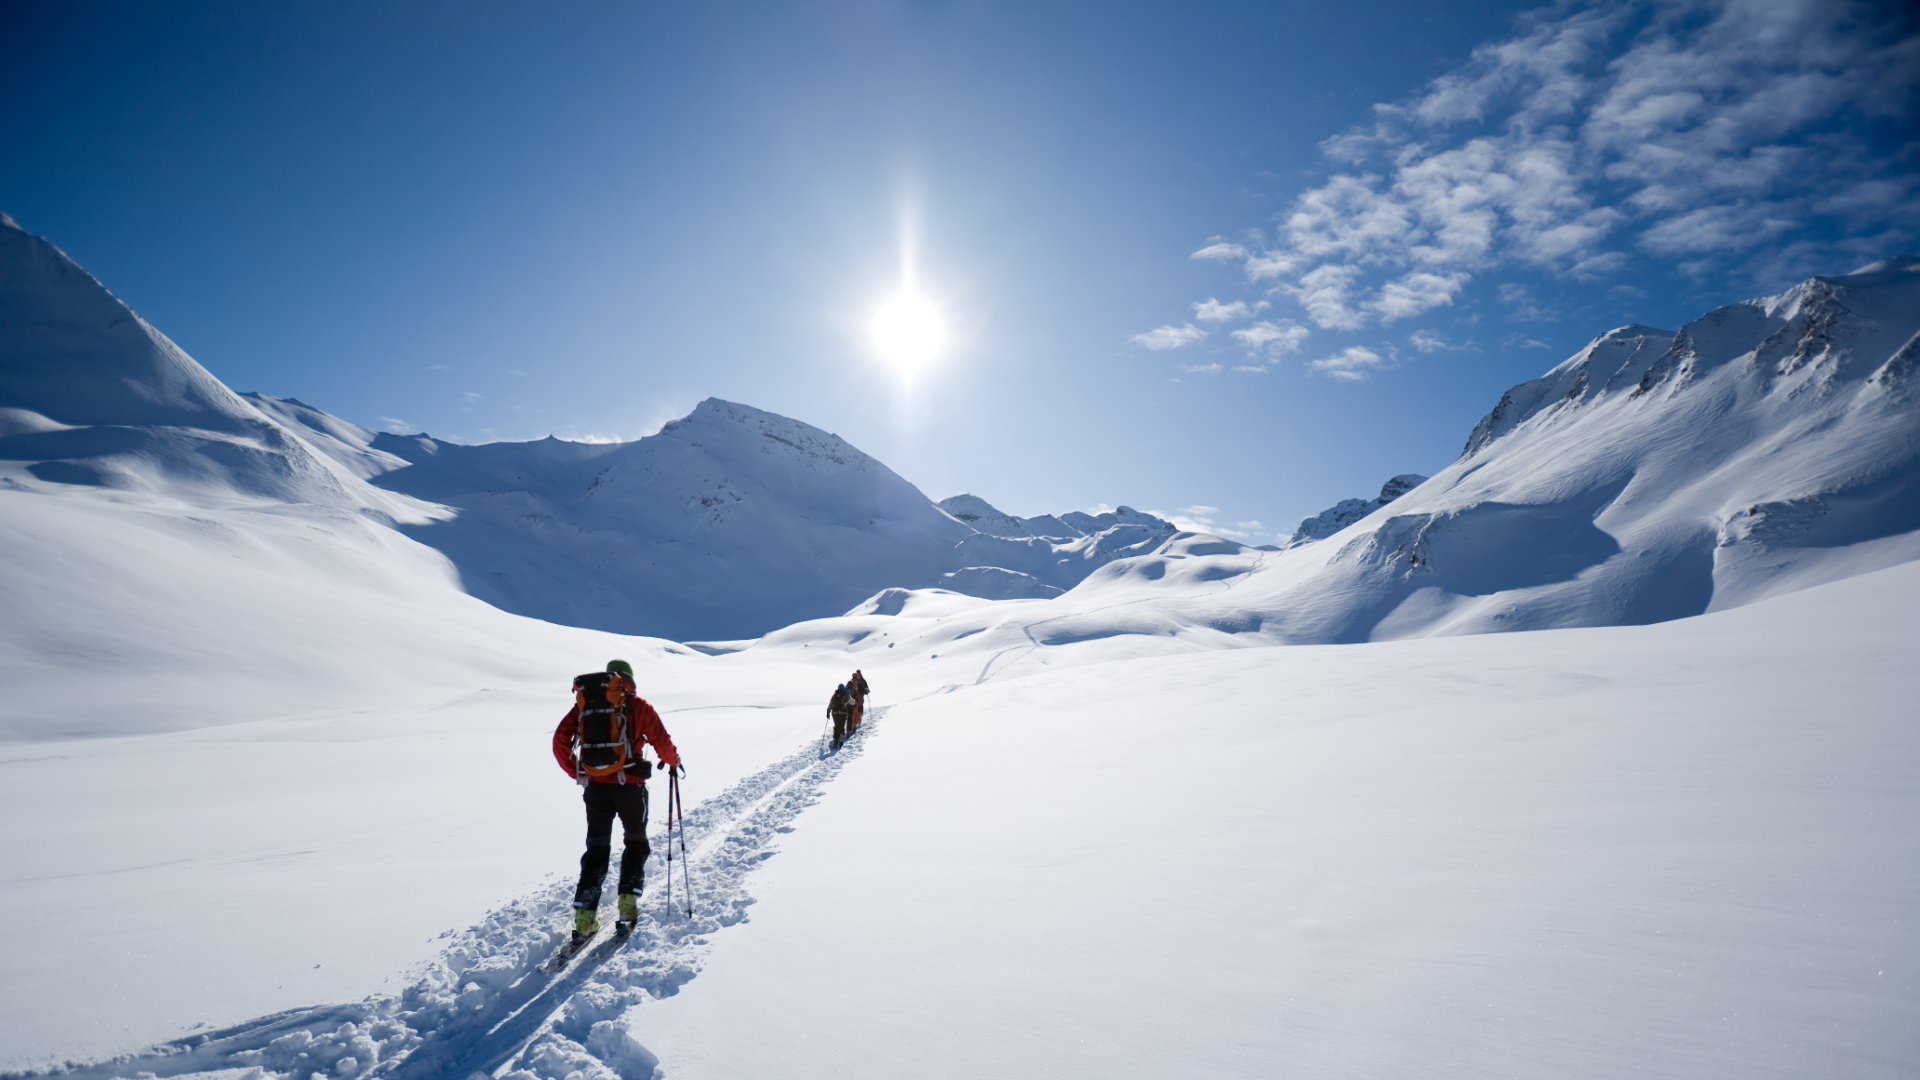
<point>1769,445</point>
<point>1347,511</point>
<point>170,536</point>
<point>1772,445</point>
<point>1010,557</point>
<point>726,524</point>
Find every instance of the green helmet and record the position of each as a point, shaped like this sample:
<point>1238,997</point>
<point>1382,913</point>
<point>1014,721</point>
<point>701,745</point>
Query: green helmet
<point>620,667</point>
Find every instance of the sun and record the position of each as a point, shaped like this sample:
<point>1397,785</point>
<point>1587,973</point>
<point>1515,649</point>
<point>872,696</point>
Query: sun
<point>908,331</point>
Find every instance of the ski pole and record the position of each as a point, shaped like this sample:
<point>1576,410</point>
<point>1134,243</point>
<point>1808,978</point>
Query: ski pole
<point>669,850</point>
<point>686,865</point>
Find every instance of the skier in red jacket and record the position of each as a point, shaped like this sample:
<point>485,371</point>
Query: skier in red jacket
<point>622,795</point>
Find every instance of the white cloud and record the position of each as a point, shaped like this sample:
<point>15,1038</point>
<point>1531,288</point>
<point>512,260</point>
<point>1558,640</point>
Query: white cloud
<point>1200,519</point>
<point>1170,337</point>
<point>1717,229</point>
<point>1416,293</point>
<point>1267,265</point>
<point>1694,130</point>
<point>1327,293</point>
<point>1201,369</point>
<point>1352,364</point>
<point>1524,306</point>
<point>1428,341</point>
<point>1277,337</point>
<point>470,397</point>
<point>1220,251</point>
<point>1521,341</point>
<point>1213,311</point>
<point>395,425</point>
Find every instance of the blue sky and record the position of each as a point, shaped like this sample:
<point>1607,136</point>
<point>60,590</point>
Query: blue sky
<point>1234,261</point>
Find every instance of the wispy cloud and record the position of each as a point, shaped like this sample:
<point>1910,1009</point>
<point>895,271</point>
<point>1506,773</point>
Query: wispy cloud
<point>1201,369</point>
<point>1415,293</point>
<point>1275,338</point>
<point>1431,341</point>
<point>1690,132</point>
<point>1170,337</point>
<point>1201,519</point>
<point>1221,251</point>
<point>1328,295</point>
<point>1213,311</point>
<point>1356,363</point>
<point>395,425</point>
<point>1522,304</point>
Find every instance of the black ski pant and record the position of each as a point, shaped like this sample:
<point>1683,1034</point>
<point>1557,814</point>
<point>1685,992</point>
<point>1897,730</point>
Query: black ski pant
<point>628,802</point>
<point>840,718</point>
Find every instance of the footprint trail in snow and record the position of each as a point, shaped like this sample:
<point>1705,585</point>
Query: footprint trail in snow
<point>488,1006</point>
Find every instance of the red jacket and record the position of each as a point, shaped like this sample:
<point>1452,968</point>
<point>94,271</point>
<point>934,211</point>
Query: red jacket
<point>643,726</point>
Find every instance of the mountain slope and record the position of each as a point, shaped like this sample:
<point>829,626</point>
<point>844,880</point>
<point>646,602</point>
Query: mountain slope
<point>725,524</point>
<point>93,396</point>
<point>1769,446</point>
<point>1347,511</point>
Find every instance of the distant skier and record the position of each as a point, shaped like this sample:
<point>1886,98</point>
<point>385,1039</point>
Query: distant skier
<point>840,710</point>
<point>599,744</point>
<point>857,686</point>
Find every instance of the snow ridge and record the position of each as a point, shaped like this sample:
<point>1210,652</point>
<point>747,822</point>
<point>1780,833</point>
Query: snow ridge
<point>1347,511</point>
<point>487,1005</point>
<point>1615,359</point>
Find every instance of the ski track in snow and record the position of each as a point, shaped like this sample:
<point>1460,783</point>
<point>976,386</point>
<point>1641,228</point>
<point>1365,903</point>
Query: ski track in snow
<point>487,1005</point>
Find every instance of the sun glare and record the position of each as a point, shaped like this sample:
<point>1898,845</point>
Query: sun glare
<point>908,331</point>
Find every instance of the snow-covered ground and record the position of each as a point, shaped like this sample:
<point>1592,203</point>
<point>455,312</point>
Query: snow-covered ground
<point>1677,850</point>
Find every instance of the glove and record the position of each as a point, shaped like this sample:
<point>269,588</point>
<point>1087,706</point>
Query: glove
<point>679,770</point>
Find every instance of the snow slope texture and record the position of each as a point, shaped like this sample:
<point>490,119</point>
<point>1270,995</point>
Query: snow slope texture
<point>1347,511</point>
<point>1659,851</point>
<point>1768,446</point>
<point>726,524</point>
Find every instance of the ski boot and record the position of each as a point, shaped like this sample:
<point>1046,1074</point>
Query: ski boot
<point>629,913</point>
<point>586,923</point>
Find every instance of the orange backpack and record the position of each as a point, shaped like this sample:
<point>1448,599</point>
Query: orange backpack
<point>604,738</point>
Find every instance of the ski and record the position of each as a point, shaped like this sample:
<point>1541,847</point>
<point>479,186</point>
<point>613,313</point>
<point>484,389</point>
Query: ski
<point>573,947</point>
<point>577,945</point>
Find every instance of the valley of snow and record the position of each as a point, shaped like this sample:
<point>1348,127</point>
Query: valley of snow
<point>1682,850</point>
<point>277,788</point>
